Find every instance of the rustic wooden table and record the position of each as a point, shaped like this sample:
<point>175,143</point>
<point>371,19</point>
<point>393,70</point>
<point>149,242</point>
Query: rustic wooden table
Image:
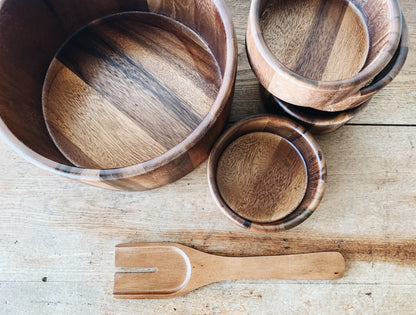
<point>57,236</point>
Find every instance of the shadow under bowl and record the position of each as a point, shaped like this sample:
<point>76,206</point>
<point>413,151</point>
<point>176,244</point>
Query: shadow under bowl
<point>317,121</point>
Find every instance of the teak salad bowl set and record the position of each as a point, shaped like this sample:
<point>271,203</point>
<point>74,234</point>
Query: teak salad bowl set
<point>133,95</point>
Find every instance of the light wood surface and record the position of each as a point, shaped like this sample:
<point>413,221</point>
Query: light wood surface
<point>66,231</point>
<point>168,270</point>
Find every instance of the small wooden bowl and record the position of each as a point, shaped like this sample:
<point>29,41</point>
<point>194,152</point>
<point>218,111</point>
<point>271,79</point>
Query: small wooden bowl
<point>136,91</point>
<point>316,53</point>
<point>267,173</point>
<point>321,122</point>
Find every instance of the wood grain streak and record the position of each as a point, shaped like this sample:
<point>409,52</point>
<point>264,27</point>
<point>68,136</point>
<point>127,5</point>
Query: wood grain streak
<point>314,38</point>
<point>402,252</point>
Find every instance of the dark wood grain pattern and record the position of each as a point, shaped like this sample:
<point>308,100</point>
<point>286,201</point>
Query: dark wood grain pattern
<point>318,53</point>
<point>317,39</point>
<point>262,177</point>
<point>306,148</point>
<point>134,85</point>
<point>193,80</point>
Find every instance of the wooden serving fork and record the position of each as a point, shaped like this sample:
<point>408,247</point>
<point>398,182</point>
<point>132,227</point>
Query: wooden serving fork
<point>169,270</point>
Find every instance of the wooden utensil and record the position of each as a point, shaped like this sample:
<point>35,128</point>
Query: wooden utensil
<point>135,97</point>
<point>316,53</point>
<point>267,173</point>
<point>169,270</point>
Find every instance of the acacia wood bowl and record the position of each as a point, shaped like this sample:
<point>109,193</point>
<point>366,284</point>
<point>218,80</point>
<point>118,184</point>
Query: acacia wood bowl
<point>321,122</point>
<point>317,53</point>
<point>126,95</point>
<point>267,173</point>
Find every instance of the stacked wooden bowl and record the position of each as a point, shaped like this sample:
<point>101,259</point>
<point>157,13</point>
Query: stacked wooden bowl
<point>126,95</point>
<point>322,61</point>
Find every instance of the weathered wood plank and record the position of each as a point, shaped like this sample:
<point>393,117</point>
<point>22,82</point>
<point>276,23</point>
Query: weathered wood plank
<point>369,200</point>
<point>230,297</point>
<point>66,231</point>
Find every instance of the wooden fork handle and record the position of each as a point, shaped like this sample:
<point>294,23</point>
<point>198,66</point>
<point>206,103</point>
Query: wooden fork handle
<point>313,266</point>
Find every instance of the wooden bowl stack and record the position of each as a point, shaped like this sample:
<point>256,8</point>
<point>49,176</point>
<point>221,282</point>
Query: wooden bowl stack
<point>320,61</point>
<point>126,95</point>
<point>328,56</point>
<point>131,95</point>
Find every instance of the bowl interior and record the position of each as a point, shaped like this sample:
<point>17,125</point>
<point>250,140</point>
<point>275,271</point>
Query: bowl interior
<point>243,154</point>
<point>261,176</point>
<point>34,30</point>
<point>326,40</point>
<point>127,88</point>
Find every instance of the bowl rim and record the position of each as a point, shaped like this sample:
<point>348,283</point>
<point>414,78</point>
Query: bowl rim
<point>316,179</point>
<point>95,175</point>
<point>364,76</point>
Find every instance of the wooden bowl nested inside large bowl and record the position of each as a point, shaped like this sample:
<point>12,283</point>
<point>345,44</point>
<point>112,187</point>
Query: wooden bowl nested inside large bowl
<point>135,92</point>
<point>267,173</point>
<point>316,53</point>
